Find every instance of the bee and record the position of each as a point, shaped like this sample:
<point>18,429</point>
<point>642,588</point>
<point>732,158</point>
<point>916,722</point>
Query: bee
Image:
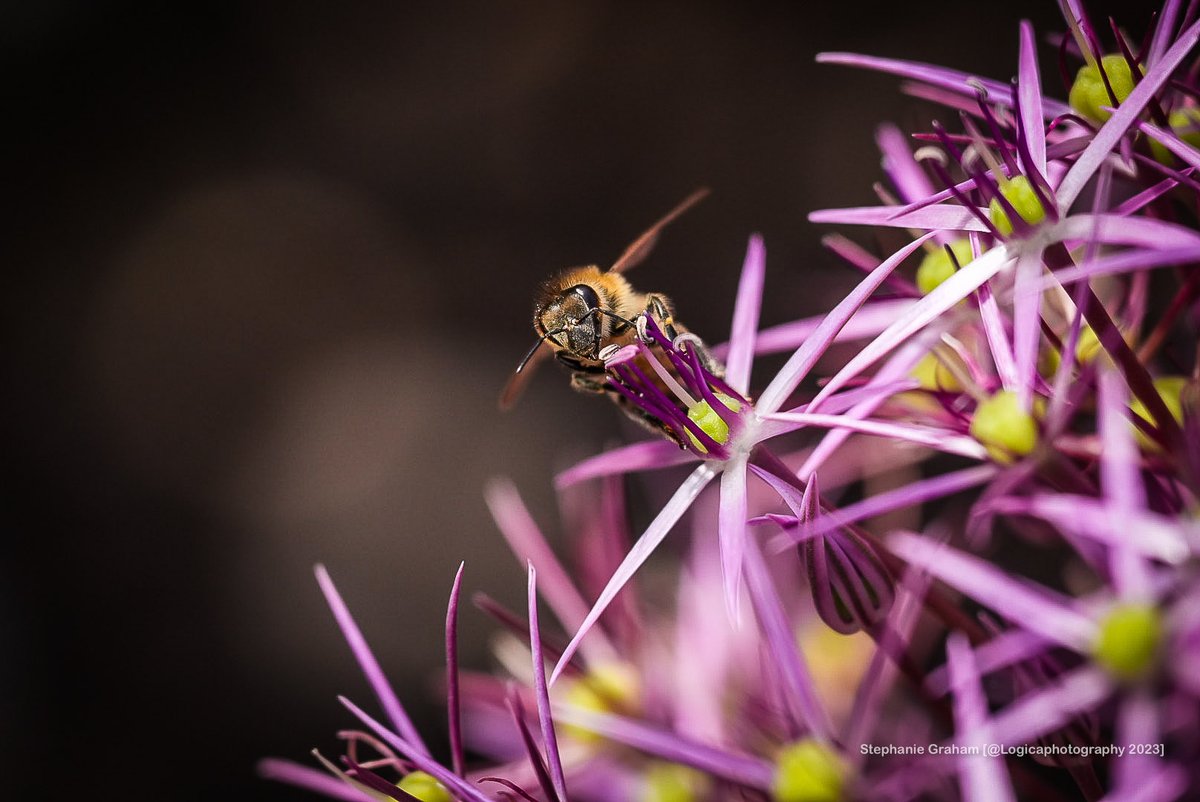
<point>580,312</point>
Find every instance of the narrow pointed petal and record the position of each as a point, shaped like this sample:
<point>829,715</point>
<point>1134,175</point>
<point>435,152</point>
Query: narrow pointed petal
<point>780,636</point>
<point>530,546</point>
<point>1008,648</point>
<point>961,82</point>
<point>940,218</point>
<point>945,296</point>
<point>897,368</point>
<point>1121,483</point>
<point>806,356</point>
<point>1125,262</point>
<point>732,766</point>
<point>997,338</point>
<point>1024,604</point>
<point>1158,537</point>
<point>982,777</point>
<point>745,317</point>
<point>1141,200</point>
<point>1029,87</point>
<point>1111,132</point>
<point>367,662</point>
<point>918,492</point>
<point>457,785</point>
<point>900,165</point>
<point>731,533</point>
<point>542,692</point>
<point>641,551</point>
<point>310,779</point>
<point>1163,30</point>
<point>1051,707</point>
<point>1137,723</point>
<point>1027,332</point>
<point>1143,232</point>
<point>646,456</point>
<point>453,711</point>
<point>871,319</point>
<point>926,436</point>
<point>1174,144</point>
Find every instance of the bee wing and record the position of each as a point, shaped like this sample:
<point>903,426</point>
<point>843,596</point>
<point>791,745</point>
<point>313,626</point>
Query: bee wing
<point>641,247</point>
<point>520,377</point>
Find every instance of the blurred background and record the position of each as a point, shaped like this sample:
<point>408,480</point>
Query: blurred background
<point>269,266</point>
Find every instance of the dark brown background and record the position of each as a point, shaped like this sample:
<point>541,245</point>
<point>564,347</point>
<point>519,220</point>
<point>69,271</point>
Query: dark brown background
<point>268,266</point>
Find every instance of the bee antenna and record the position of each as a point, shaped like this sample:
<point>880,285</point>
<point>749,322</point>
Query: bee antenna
<point>536,345</point>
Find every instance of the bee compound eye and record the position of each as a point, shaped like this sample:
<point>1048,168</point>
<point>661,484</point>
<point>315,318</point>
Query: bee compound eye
<point>586,294</point>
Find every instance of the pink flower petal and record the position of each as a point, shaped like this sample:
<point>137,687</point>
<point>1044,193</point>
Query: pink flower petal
<point>871,319</point>
<point>1051,707</point>
<point>1124,262</point>
<point>901,167</point>
<point>938,76</point>
<point>644,456</point>
<point>311,780</point>
<point>1110,229</point>
<point>1173,143</point>
<point>997,338</point>
<point>1024,604</point>
<point>1030,91</point>
<point>926,436</point>
<point>367,662</point>
<point>939,219</point>
<point>1163,30</point>
<point>641,551</point>
<point>944,297</point>
<point>542,692</point>
<point>731,532</point>
<point>530,547</point>
<point>983,777</point>
<point>802,361</point>
<point>454,783</point>
<point>1027,331</point>
<point>745,317</point>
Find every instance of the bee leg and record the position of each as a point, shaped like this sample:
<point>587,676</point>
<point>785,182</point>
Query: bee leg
<point>658,307</point>
<point>584,382</point>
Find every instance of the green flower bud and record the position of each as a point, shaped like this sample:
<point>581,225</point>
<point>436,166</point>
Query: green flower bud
<point>710,422</point>
<point>1185,124</point>
<point>1018,192</point>
<point>934,375</point>
<point>1089,94</point>
<point>808,771</point>
<point>937,266</point>
<point>671,782</point>
<point>607,688</point>
<point>1003,428</point>
<point>424,787</point>
<point>1128,641</point>
<point>1170,388</point>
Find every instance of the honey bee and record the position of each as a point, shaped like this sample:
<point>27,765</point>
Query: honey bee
<point>580,312</point>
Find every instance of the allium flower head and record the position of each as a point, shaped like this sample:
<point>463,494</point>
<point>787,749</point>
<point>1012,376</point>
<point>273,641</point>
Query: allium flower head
<point>997,495</point>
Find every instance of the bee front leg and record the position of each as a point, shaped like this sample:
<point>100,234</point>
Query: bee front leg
<point>658,308</point>
<point>582,382</point>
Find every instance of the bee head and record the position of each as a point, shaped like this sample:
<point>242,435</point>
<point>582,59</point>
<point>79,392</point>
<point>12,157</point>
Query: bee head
<point>574,314</point>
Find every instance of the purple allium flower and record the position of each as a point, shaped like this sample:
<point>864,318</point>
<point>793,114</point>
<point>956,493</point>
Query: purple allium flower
<point>1022,425</point>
